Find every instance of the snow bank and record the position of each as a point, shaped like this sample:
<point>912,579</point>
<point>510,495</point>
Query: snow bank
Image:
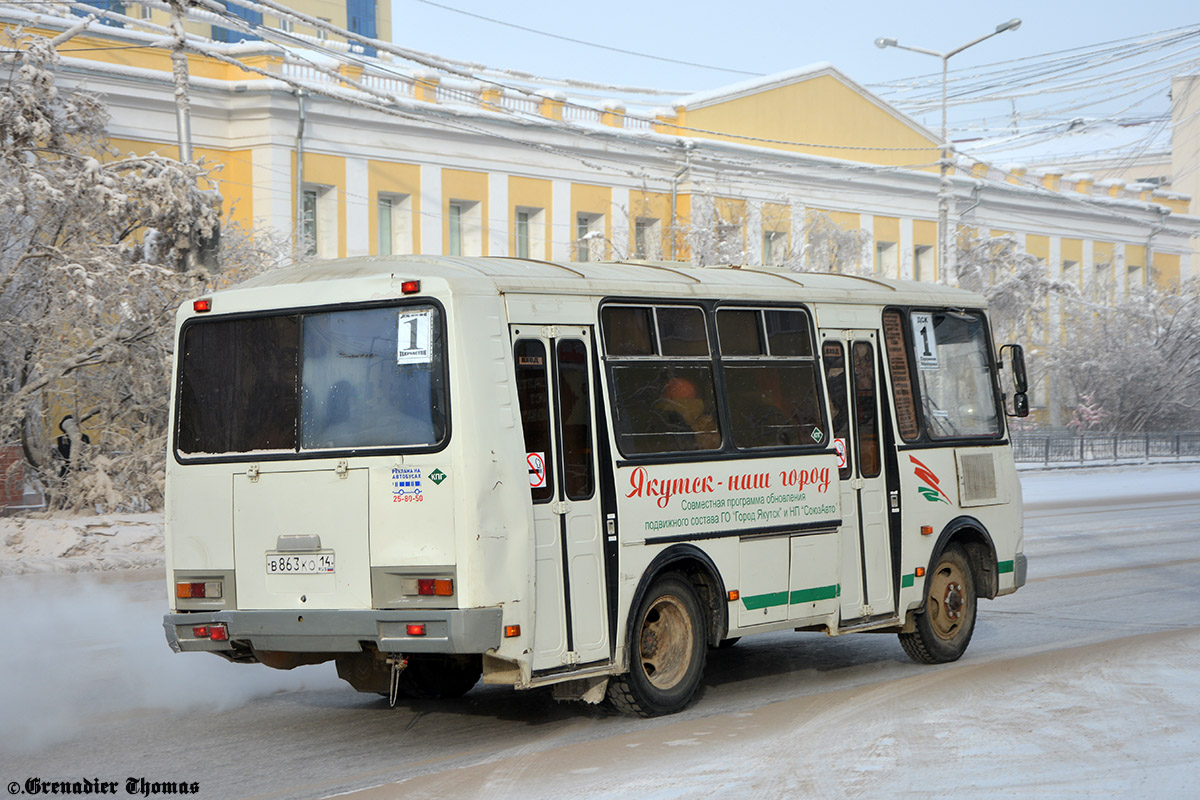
<point>59,543</point>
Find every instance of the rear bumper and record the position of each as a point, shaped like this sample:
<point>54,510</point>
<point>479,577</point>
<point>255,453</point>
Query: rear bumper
<point>1020,570</point>
<point>470,630</point>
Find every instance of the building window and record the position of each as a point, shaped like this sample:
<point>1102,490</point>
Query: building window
<point>322,33</point>
<point>286,25</point>
<point>647,238</point>
<point>394,216</point>
<point>529,227</point>
<point>923,262</point>
<point>360,19</point>
<point>885,259</point>
<point>465,228</point>
<point>1135,275</point>
<point>774,243</point>
<point>589,241</point>
<point>731,248</point>
<point>319,221</point>
<point>309,229</point>
<point>456,238</point>
<point>115,6</point>
<point>1070,272</point>
<point>146,12</point>
<point>522,234</point>
<point>220,34</point>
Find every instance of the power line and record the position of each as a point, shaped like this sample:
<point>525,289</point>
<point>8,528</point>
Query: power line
<point>586,43</point>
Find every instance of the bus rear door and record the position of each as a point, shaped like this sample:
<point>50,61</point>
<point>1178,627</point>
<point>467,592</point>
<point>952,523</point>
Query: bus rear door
<point>554,369</point>
<point>852,375</point>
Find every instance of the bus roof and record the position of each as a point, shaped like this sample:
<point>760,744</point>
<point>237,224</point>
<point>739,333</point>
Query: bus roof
<point>610,278</point>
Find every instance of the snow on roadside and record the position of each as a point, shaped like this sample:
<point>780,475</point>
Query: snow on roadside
<point>60,543</point>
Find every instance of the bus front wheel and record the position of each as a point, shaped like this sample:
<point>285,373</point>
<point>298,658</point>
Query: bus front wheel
<point>667,651</point>
<point>944,628</point>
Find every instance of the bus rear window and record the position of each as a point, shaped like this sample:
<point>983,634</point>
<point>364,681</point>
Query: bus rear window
<point>354,379</point>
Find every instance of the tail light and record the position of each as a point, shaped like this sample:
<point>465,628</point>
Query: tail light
<point>198,589</point>
<point>439,587</point>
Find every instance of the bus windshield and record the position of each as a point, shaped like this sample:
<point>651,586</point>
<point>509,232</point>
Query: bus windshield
<point>347,379</point>
<point>954,375</point>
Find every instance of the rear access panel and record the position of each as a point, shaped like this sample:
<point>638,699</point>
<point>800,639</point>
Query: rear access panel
<point>301,539</point>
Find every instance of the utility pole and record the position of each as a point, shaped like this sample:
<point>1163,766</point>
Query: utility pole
<point>944,184</point>
<point>179,69</point>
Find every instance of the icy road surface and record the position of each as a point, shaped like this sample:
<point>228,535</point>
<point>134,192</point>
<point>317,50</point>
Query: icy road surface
<point>1085,683</point>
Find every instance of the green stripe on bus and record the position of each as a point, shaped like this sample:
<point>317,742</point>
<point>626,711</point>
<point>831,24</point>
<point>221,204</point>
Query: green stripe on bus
<point>907,580</point>
<point>760,601</point>
<point>1005,566</point>
<point>819,593</point>
<point>765,600</point>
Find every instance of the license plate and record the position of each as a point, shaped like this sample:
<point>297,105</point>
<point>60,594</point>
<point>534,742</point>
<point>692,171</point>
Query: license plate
<point>299,563</point>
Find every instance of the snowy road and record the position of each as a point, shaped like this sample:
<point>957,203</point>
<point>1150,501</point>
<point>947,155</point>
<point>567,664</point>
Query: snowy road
<point>1084,683</point>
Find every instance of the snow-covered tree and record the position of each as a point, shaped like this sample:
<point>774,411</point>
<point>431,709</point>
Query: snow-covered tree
<point>1137,363</point>
<point>1015,283</point>
<point>831,248</point>
<point>93,255</point>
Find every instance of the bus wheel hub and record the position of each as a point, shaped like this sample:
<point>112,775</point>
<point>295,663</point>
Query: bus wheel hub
<point>954,600</point>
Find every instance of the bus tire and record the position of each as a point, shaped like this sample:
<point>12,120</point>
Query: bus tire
<point>944,627</point>
<point>667,651</point>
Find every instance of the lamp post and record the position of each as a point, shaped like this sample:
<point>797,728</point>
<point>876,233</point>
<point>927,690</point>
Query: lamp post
<point>944,161</point>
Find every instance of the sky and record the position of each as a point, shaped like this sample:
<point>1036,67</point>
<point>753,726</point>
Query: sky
<point>763,36</point>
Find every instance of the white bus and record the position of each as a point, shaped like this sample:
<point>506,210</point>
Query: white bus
<point>583,475</point>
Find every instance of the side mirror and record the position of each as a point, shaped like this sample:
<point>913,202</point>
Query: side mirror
<point>1014,356</point>
<point>1020,405</point>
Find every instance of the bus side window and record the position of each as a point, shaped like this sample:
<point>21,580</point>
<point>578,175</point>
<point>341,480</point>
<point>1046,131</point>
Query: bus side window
<point>533,393</point>
<point>575,410</point>
<point>835,378</point>
<point>866,415</point>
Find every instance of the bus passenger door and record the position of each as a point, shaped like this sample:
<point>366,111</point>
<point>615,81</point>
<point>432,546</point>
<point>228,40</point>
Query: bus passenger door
<point>554,369</point>
<point>852,375</point>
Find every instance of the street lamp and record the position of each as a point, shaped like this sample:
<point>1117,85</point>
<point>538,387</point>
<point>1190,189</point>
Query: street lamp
<point>944,162</point>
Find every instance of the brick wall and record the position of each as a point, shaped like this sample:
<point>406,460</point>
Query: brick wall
<point>12,475</point>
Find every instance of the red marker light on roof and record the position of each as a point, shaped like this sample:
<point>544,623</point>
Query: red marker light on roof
<point>202,306</point>
<point>410,287</point>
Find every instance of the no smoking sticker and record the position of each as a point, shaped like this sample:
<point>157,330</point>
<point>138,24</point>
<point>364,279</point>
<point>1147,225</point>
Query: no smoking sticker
<point>537,469</point>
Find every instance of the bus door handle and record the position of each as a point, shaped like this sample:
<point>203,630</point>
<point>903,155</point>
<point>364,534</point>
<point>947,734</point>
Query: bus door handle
<point>894,500</point>
<point>559,508</point>
<point>610,523</point>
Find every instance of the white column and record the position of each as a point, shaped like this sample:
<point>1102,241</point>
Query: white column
<point>431,209</point>
<point>271,194</point>
<point>754,232</point>
<point>561,225</point>
<point>798,257</point>
<point>866,259</point>
<point>359,206</point>
<point>905,261</point>
<point>498,224</point>
<point>621,222</point>
<point>1054,334</point>
<point>1087,267</point>
<point>1120,274</point>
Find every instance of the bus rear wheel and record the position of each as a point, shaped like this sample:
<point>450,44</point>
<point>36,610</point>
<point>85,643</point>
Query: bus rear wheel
<point>944,628</point>
<point>667,652</point>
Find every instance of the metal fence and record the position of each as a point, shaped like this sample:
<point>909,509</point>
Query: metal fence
<point>1110,448</point>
